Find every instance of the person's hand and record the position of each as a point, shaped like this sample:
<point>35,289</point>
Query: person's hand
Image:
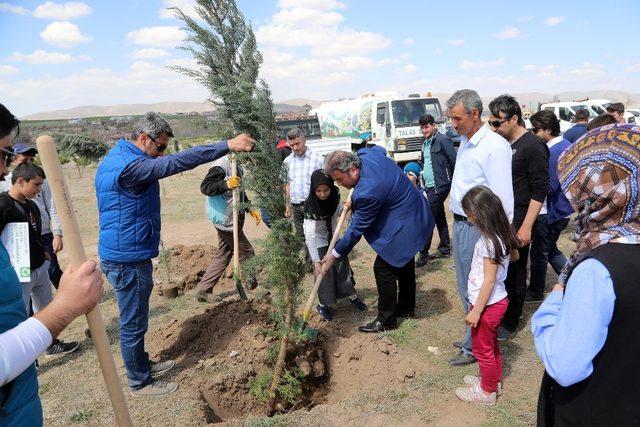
<point>558,287</point>
<point>79,291</point>
<point>233,182</point>
<point>57,244</point>
<point>347,205</point>
<point>287,211</point>
<point>524,236</point>
<point>472,318</point>
<point>317,266</point>
<point>255,214</point>
<point>327,262</point>
<point>514,255</point>
<point>242,142</point>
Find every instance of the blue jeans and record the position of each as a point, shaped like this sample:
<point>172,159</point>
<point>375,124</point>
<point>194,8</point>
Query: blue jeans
<point>55,272</point>
<point>544,249</point>
<point>132,282</point>
<point>465,236</point>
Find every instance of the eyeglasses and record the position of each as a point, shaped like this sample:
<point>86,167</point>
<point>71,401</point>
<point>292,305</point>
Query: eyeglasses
<point>496,123</point>
<point>8,155</point>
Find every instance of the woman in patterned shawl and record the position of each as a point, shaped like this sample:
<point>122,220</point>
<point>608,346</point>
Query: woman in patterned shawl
<point>586,332</point>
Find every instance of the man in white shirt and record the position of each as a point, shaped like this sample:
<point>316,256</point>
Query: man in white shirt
<point>484,158</point>
<point>300,164</point>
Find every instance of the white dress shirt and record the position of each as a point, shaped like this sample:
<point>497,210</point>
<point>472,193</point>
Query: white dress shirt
<point>485,159</point>
<point>299,170</point>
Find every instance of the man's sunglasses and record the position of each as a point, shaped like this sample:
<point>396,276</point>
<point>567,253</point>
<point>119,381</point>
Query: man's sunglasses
<point>159,147</point>
<point>7,154</point>
<point>496,123</point>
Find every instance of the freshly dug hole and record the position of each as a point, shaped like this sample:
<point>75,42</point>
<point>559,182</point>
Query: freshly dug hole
<point>221,352</point>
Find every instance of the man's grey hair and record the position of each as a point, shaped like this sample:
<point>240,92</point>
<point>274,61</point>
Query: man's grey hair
<point>340,160</point>
<point>469,99</point>
<point>295,133</point>
<point>153,124</point>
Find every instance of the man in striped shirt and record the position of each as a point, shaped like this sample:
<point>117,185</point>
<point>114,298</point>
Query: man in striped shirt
<point>300,164</point>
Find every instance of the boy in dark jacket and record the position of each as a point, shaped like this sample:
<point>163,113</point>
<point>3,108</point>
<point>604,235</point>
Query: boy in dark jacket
<point>438,163</point>
<point>220,181</point>
<point>15,206</point>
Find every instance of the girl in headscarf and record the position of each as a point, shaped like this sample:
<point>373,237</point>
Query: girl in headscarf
<point>321,212</point>
<point>587,331</point>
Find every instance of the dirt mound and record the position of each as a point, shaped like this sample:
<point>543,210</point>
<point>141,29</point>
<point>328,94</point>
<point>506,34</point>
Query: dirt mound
<point>186,265</point>
<point>220,352</point>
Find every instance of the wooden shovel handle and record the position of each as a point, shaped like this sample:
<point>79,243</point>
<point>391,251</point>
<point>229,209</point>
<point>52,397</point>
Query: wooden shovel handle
<point>73,245</point>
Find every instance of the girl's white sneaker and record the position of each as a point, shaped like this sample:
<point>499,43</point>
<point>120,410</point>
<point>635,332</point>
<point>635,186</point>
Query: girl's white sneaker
<point>474,394</point>
<point>473,380</point>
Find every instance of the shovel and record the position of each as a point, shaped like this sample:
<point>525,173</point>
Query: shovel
<point>307,309</point>
<point>236,231</point>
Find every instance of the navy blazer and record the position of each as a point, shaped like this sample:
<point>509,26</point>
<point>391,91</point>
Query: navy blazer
<point>391,214</point>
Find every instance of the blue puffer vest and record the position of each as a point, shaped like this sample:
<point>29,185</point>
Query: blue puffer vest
<point>22,408</point>
<point>129,223</point>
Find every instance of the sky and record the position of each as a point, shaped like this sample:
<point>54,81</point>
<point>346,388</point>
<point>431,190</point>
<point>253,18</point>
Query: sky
<point>58,55</point>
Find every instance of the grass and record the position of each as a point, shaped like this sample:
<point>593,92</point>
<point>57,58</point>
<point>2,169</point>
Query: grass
<point>404,335</point>
<point>81,417</point>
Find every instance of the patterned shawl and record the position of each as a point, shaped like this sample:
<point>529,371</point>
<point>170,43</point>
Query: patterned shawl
<point>600,175</point>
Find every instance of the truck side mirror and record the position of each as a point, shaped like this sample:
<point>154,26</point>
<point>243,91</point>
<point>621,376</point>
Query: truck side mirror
<point>388,127</point>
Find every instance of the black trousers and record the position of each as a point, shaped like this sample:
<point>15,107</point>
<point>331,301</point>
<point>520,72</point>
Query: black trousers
<point>396,290</point>
<point>516,287</point>
<point>436,204</point>
<point>298,219</point>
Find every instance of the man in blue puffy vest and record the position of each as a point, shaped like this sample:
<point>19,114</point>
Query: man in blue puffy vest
<point>129,207</point>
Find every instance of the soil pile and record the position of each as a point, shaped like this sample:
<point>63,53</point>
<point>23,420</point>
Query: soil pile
<point>220,352</point>
<point>187,265</point>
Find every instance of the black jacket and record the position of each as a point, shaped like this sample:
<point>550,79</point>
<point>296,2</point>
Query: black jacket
<point>443,162</point>
<point>10,212</point>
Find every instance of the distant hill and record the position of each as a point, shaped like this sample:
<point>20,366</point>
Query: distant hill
<point>530,100</point>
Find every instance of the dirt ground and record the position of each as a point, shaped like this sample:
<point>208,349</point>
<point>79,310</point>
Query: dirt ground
<point>396,378</point>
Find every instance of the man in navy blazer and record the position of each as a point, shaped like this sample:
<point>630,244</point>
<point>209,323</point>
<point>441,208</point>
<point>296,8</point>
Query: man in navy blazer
<point>394,218</point>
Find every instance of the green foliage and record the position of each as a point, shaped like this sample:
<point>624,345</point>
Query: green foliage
<point>290,387</point>
<point>404,335</point>
<point>81,417</point>
<point>82,149</point>
<point>259,387</point>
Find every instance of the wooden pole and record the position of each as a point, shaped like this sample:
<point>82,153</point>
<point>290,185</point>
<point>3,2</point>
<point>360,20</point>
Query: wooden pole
<point>334,239</point>
<point>73,244</point>
<point>236,232</point>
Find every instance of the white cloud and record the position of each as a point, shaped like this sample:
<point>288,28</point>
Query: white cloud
<point>311,4</point>
<point>188,7</point>
<point>508,33</point>
<point>10,8</point>
<point>632,68</point>
<point>529,67</point>
<point>149,53</point>
<point>8,69</point>
<point>63,34</point>
<point>169,36</point>
<point>409,68</point>
<point>62,11</point>
<point>437,51</point>
<point>288,17</point>
<point>40,57</point>
<point>456,42</point>
<point>409,41</point>
<point>526,18</point>
<point>468,65</point>
<point>554,20</point>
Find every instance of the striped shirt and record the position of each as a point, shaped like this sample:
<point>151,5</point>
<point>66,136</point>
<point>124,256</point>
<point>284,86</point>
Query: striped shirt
<point>299,170</point>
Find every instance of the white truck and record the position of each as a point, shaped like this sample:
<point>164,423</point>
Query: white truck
<point>565,111</point>
<point>600,107</point>
<point>385,119</point>
<point>315,140</point>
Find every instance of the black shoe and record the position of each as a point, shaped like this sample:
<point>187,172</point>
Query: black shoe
<point>358,304</point>
<point>533,297</point>
<point>59,348</point>
<point>462,359</point>
<point>324,312</point>
<point>422,260</point>
<point>438,255</point>
<point>457,344</point>
<point>376,326</point>
<point>504,333</point>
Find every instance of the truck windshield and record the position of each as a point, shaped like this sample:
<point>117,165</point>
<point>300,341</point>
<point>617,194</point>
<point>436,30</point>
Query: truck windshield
<point>406,112</point>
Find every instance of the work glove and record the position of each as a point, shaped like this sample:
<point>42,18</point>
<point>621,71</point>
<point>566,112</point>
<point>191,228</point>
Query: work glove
<point>233,182</point>
<point>255,214</point>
